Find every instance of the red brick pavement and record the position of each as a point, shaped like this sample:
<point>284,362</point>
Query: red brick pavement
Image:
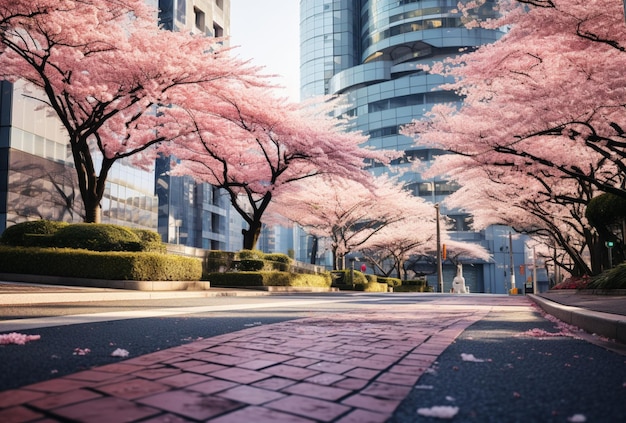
<point>350,367</point>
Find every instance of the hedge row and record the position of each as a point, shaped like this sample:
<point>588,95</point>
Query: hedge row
<point>272,278</point>
<point>374,283</point>
<point>88,236</point>
<point>139,266</point>
<point>245,261</point>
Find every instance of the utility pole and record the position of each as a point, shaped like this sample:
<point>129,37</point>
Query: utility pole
<point>535,288</point>
<point>439,266</point>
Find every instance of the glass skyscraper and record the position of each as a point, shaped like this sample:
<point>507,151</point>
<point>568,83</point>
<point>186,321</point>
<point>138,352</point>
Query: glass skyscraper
<point>191,213</point>
<point>371,52</point>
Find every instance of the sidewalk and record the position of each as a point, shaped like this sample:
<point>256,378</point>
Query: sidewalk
<point>604,315</point>
<point>18,293</point>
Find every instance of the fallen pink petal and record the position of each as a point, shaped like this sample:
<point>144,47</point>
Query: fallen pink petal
<point>471,358</point>
<point>17,338</point>
<point>540,333</point>
<point>81,351</point>
<point>577,418</point>
<point>439,411</point>
<point>119,352</point>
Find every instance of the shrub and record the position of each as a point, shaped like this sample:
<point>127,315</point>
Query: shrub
<point>88,236</point>
<point>218,261</point>
<point>255,260</point>
<point>277,261</point>
<point>343,277</point>
<point>257,279</point>
<point>414,285</point>
<point>251,265</point>
<point>393,282</point>
<point>99,265</point>
<point>251,255</point>
<point>574,282</point>
<point>21,234</point>
<point>97,237</point>
<point>611,279</point>
<point>150,240</point>
<point>369,286</point>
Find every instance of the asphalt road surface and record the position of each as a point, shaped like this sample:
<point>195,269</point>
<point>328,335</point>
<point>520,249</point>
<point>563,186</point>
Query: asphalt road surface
<point>507,367</point>
<point>68,330</point>
<point>495,372</point>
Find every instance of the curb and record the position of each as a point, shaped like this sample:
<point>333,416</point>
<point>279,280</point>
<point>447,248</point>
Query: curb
<point>106,283</point>
<point>68,295</point>
<point>611,326</point>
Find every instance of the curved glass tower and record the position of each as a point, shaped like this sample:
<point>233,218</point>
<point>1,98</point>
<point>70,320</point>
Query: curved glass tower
<point>371,52</point>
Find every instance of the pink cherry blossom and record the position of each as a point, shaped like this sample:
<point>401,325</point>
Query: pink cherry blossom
<point>541,130</point>
<point>17,338</point>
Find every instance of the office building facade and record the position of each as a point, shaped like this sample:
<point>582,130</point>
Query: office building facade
<point>37,176</point>
<point>191,213</point>
<point>372,53</point>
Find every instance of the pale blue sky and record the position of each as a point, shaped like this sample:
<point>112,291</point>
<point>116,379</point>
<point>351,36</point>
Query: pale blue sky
<point>267,31</point>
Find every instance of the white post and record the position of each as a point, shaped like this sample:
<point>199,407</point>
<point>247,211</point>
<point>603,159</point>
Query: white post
<point>512,268</point>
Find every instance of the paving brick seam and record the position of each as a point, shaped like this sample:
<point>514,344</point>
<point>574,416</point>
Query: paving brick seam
<point>409,332</point>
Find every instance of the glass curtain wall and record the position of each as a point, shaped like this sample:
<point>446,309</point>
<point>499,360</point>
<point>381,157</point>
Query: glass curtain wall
<point>370,52</point>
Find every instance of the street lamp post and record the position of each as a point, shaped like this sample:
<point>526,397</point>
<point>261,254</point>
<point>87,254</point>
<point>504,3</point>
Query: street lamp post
<point>511,265</point>
<point>439,267</point>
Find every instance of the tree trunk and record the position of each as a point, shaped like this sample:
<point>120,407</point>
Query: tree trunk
<point>93,212</point>
<point>337,259</point>
<point>251,235</point>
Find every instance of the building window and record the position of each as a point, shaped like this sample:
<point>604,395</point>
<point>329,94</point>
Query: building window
<point>199,14</point>
<point>219,3</point>
<point>218,31</point>
<point>181,11</point>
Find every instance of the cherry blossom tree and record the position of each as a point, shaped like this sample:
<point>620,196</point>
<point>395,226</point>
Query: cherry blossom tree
<point>543,108</point>
<point>356,216</point>
<point>111,76</point>
<point>548,209</point>
<point>255,145</point>
<point>395,243</point>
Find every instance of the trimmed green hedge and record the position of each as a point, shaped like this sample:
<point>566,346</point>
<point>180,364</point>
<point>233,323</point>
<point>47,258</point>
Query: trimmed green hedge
<point>150,240</point>
<point>217,261</point>
<point>342,277</point>
<point>139,266</point>
<point>256,279</point>
<point>370,287</point>
<point>392,282</point>
<point>255,260</point>
<point>362,282</point>
<point>88,236</point>
<point>415,285</point>
<point>21,234</point>
<point>96,237</point>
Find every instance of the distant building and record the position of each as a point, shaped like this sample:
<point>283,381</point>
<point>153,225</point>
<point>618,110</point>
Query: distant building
<point>192,213</point>
<point>370,52</point>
